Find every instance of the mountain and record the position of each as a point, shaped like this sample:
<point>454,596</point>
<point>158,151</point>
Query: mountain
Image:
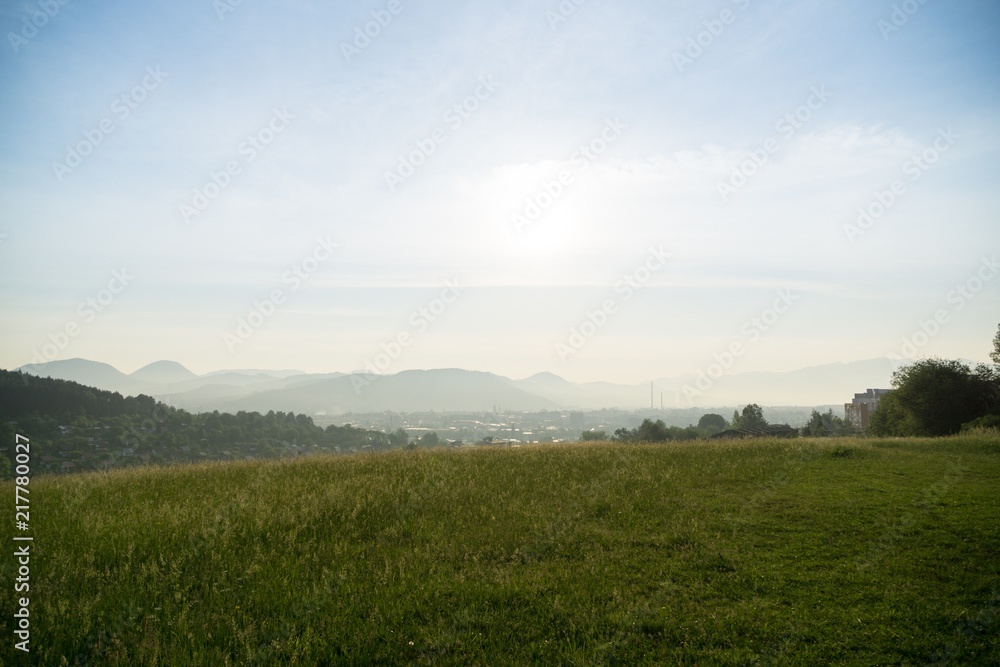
<point>546,379</point>
<point>447,390</point>
<point>257,371</point>
<point>408,391</point>
<point>569,394</point>
<point>162,372</point>
<point>86,372</point>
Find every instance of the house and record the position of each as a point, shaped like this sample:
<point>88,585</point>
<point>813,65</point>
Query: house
<point>859,411</point>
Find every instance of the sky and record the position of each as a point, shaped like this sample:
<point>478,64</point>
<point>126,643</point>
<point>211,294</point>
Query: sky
<point>604,190</point>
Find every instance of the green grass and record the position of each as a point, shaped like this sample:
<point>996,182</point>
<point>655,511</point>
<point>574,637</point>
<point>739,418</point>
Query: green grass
<point>855,552</point>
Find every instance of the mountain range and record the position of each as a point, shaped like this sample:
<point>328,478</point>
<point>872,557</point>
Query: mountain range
<point>456,390</point>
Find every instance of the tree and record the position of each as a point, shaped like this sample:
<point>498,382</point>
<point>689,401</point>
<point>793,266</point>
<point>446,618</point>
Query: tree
<point>933,397</point>
<point>823,425</point>
<point>650,431</point>
<point>890,419</point>
<point>712,423</point>
<point>399,438</point>
<point>752,417</point>
<point>430,439</point>
<point>7,436</point>
<point>989,380</point>
<point>624,435</point>
<point>995,354</point>
<point>590,436</point>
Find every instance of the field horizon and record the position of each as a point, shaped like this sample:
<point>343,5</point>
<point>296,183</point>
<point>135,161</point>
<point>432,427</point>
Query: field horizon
<point>837,551</point>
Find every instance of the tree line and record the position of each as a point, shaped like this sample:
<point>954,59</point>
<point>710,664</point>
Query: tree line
<point>649,431</point>
<point>66,416</point>
<point>934,397</point>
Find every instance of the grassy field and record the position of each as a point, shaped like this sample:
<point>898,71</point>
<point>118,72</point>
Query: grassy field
<point>855,552</point>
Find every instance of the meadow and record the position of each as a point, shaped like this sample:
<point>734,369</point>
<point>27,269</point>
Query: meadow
<point>770,552</point>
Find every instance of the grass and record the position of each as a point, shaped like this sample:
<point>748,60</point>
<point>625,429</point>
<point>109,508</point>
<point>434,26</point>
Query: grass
<point>854,552</point>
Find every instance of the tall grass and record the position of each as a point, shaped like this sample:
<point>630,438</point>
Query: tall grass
<point>759,552</point>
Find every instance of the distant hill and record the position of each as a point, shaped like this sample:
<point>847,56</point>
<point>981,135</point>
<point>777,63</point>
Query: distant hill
<point>452,390</point>
<point>584,396</point>
<point>162,372</point>
<point>408,391</point>
<point>281,374</point>
<point>86,372</point>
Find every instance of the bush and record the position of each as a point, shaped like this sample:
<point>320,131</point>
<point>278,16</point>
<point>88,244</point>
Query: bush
<point>987,422</point>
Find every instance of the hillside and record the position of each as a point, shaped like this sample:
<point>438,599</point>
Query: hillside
<point>783,553</point>
<point>22,395</point>
<point>79,428</point>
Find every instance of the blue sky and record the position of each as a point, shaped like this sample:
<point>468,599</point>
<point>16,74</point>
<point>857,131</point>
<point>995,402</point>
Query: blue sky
<point>202,81</point>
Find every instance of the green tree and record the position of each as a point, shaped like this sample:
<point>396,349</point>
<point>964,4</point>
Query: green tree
<point>687,433</point>
<point>650,431</point>
<point>430,439</point>
<point>625,435</point>
<point>935,397</point>
<point>7,447</point>
<point>825,424</point>
<point>712,423</point>
<point>590,436</point>
<point>891,419</point>
<point>995,354</point>
<point>752,417</point>
<point>814,427</point>
<point>399,438</point>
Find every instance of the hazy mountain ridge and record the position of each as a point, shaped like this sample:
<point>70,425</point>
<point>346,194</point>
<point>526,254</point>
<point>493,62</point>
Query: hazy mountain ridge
<point>448,390</point>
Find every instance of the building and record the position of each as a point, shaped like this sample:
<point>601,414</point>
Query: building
<point>858,412</point>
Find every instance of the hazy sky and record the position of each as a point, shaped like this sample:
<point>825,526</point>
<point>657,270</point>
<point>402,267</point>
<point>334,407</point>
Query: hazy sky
<point>504,166</point>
